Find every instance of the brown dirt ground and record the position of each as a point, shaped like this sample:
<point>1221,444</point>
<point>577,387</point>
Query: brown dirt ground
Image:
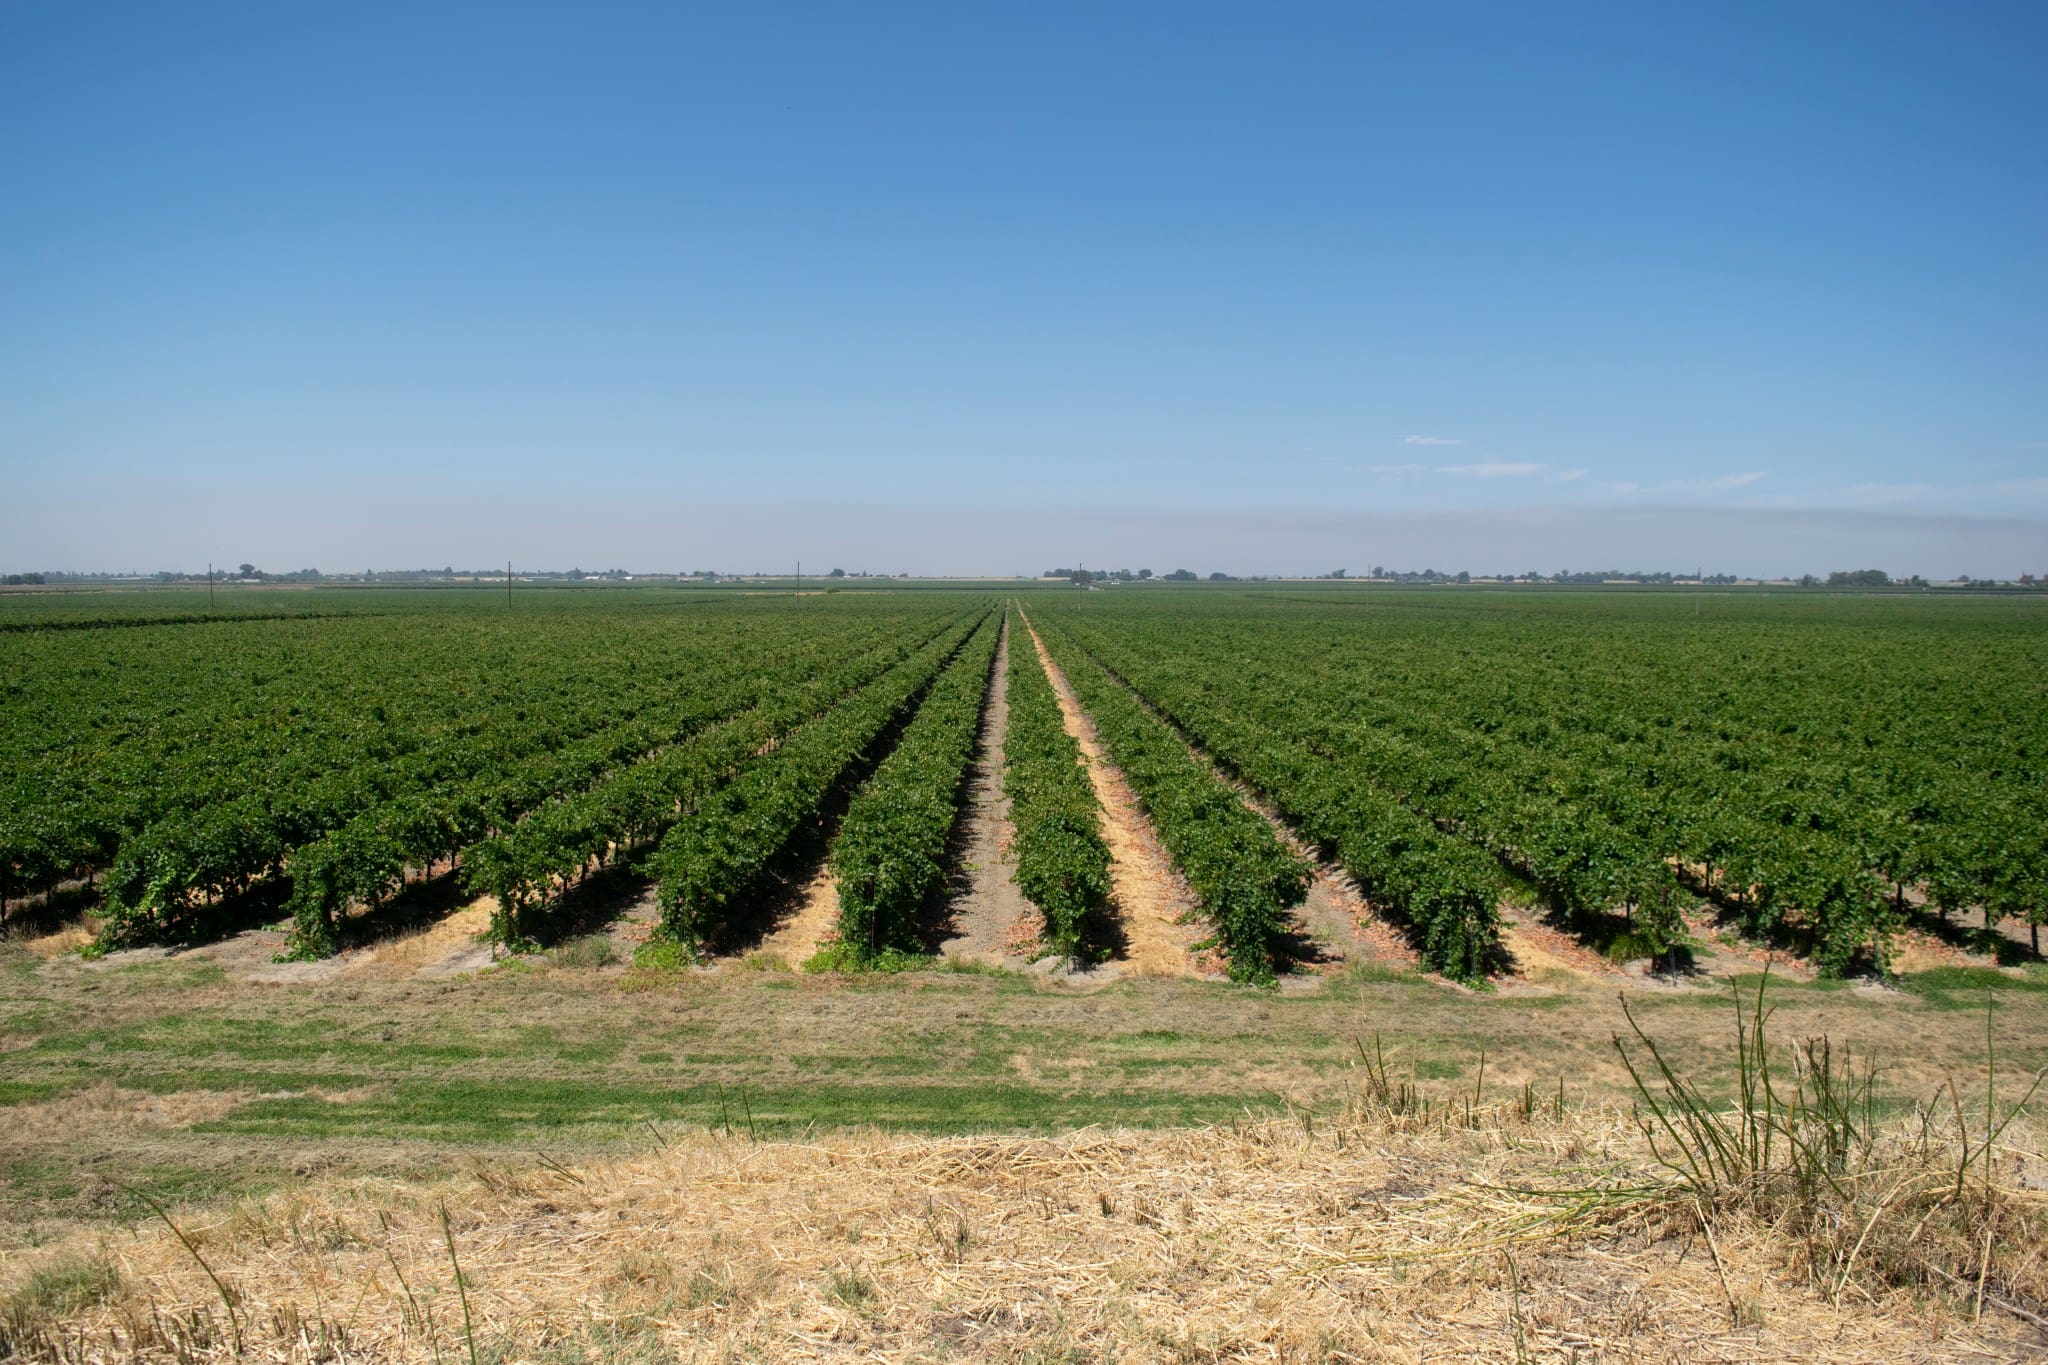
<point>1152,900</point>
<point>985,909</point>
<point>1334,918</point>
<point>444,948</point>
<point>799,936</point>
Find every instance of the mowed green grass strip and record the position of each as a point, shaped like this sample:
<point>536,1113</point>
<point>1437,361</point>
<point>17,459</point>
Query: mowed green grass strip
<point>458,1111</point>
<point>193,1083</point>
<point>472,1065</point>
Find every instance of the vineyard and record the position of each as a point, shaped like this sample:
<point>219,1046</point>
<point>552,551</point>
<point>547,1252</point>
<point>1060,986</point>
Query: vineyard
<point>1812,771</point>
<point>1814,774</point>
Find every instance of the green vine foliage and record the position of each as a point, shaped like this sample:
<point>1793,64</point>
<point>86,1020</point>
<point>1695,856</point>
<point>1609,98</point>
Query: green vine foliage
<point>1246,880</point>
<point>710,862</point>
<point>1062,861</point>
<point>1779,771</point>
<point>463,821</point>
<point>889,856</point>
<point>337,758</point>
<point>1440,885</point>
<point>528,866</point>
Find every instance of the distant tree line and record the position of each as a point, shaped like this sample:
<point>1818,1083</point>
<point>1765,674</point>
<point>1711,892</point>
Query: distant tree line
<point>1840,578</point>
<point>1084,577</point>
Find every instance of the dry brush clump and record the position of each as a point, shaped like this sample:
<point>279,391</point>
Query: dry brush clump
<point>1945,1195</point>
<point>1412,1223</point>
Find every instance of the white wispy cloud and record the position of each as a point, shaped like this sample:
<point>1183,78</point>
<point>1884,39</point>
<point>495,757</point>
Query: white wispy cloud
<point>1494,469</point>
<point>1419,440</point>
<point>1566,475</point>
<point>1484,469</point>
<point>1742,480</point>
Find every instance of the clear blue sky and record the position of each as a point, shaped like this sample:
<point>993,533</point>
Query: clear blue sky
<point>974,288</point>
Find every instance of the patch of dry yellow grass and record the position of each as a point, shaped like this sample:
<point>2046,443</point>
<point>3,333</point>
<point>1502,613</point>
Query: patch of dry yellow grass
<point>448,940</point>
<point>1281,1240</point>
<point>67,939</point>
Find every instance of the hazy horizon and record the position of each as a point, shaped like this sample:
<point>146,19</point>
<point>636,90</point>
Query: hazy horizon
<point>652,536</point>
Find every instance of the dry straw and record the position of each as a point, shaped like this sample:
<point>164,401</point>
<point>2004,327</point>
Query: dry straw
<point>1411,1225</point>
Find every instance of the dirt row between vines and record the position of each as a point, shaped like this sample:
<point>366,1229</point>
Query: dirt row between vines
<point>982,908</point>
<point>1152,901</point>
<point>1334,924</point>
<point>987,920</point>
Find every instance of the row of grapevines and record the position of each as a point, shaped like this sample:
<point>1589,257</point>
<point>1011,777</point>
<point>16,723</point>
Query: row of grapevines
<point>1410,870</point>
<point>1577,825</point>
<point>524,867</point>
<point>366,858</point>
<point>1578,859</point>
<point>1062,861</point>
<point>1246,879</point>
<point>713,859</point>
<point>889,855</point>
<point>106,734</point>
<point>196,759</point>
<point>419,806</point>
<point>1603,806</point>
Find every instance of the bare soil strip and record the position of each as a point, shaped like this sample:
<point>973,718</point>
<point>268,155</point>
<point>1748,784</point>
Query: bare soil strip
<point>1151,898</point>
<point>1330,921</point>
<point>1537,949</point>
<point>983,905</point>
<point>1335,920</point>
<point>800,936</point>
<point>445,949</point>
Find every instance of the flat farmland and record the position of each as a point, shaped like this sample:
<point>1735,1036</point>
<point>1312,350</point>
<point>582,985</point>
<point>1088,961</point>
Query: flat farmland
<point>334,891</point>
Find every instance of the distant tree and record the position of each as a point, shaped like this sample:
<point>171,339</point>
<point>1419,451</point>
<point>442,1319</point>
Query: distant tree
<point>1221,578</point>
<point>1464,576</point>
<point>1082,578</point>
<point>837,573</point>
<point>1336,573</point>
<point>1182,575</point>
<point>1144,574</point>
<point>246,570</point>
<point>1859,578</point>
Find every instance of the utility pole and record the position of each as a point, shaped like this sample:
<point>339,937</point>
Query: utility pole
<point>508,585</point>
<point>209,585</point>
<point>798,594</point>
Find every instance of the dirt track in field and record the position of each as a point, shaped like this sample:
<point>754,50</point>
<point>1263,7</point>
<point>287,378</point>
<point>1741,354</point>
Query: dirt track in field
<point>1334,923</point>
<point>984,908</point>
<point>816,919</point>
<point>448,946</point>
<point>1151,898</point>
